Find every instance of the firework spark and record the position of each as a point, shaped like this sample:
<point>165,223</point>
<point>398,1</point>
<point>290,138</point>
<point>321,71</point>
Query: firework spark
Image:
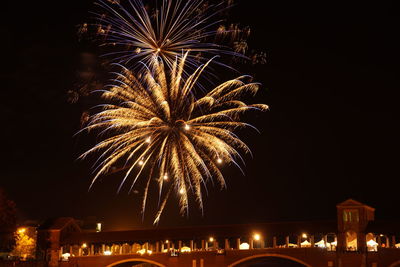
<point>161,130</point>
<point>167,32</point>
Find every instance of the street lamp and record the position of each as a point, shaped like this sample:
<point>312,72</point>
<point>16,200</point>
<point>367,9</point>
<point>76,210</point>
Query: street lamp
<point>256,243</point>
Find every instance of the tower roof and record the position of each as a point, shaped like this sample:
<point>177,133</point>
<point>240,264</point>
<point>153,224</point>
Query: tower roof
<point>350,203</point>
<point>58,223</point>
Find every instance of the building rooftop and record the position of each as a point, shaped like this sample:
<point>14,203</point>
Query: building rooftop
<point>204,232</point>
<point>56,223</point>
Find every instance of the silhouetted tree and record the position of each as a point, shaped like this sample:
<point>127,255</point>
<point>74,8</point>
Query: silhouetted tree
<point>8,221</point>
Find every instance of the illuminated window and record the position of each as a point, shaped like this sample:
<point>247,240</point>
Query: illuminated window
<point>351,216</point>
<point>351,241</point>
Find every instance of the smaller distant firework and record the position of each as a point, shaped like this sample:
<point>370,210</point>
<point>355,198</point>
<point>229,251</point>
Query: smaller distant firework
<point>140,33</point>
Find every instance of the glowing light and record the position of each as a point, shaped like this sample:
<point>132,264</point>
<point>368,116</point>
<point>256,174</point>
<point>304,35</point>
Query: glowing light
<point>304,235</point>
<point>305,243</point>
<point>187,127</point>
<point>158,49</point>
<point>98,227</point>
<point>256,237</point>
<point>211,239</point>
<point>244,246</point>
<point>65,256</point>
<point>21,230</point>
<point>141,251</point>
<point>107,252</point>
<point>165,177</point>
<point>148,140</point>
<point>167,241</point>
<point>84,245</point>
<point>320,244</point>
<point>372,243</point>
<point>219,160</point>
<point>185,249</point>
<point>188,156</point>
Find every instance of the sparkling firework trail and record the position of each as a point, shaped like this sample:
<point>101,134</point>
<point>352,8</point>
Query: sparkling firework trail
<point>176,27</point>
<point>160,130</point>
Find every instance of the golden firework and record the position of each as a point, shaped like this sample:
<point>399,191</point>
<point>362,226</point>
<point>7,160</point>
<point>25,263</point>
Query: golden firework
<point>173,28</point>
<point>159,128</point>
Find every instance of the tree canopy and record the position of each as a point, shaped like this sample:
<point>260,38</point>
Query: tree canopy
<point>8,221</point>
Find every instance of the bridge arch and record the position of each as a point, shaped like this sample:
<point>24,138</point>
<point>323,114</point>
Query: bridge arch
<point>269,255</point>
<point>138,260</point>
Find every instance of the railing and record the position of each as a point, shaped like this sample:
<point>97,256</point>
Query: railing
<point>174,248</point>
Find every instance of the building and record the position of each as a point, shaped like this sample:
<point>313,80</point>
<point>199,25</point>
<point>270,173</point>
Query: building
<point>354,239</point>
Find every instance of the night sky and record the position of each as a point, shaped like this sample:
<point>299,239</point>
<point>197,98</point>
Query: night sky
<point>331,81</point>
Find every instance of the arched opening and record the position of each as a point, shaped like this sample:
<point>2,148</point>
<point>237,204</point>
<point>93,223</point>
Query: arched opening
<point>351,241</point>
<point>372,245</point>
<point>384,241</point>
<point>136,263</point>
<point>269,260</point>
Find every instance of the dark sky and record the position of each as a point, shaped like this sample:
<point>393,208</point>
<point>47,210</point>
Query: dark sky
<point>331,80</point>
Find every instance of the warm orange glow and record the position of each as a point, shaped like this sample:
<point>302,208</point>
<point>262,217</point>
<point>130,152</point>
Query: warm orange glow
<point>211,239</point>
<point>84,245</point>
<point>304,235</point>
<point>305,244</point>
<point>219,160</point>
<point>143,251</point>
<point>372,243</point>
<point>185,249</point>
<point>257,237</point>
<point>21,230</point>
<point>244,246</point>
<point>65,256</point>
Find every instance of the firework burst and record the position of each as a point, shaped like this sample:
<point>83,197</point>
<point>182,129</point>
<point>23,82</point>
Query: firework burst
<point>159,129</point>
<point>170,30</point>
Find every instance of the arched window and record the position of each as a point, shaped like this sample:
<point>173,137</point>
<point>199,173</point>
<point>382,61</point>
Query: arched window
<point>372,245</point>
<point>351,241</point>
